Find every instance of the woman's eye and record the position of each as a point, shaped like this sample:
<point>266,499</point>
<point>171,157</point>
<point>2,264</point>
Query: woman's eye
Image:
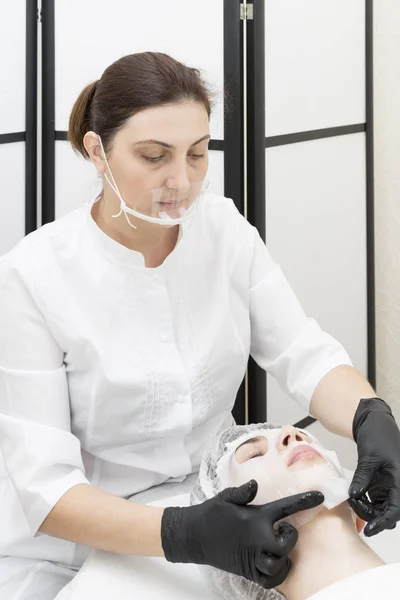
<point>256,453</point>
<point>156,159</point>
<point>153,159</point>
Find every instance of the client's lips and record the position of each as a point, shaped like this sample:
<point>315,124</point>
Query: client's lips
<point>301,452</point>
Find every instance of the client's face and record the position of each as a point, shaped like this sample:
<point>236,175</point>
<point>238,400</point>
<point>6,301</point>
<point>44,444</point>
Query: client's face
<point>290,446</point>
<point>287,461</point>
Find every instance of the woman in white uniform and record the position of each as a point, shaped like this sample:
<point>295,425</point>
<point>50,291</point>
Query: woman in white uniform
<point>125,332</point>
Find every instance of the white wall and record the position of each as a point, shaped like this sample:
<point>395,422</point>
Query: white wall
<point>387,197</point>
<point>316,190</point>
<point>12,120</point>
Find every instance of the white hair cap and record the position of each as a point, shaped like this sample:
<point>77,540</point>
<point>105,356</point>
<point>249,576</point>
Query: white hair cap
<point>208,485</point>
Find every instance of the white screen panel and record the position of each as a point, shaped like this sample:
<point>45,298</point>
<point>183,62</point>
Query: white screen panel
<point>316,230</point>
<point>215,173</point>
<point>315,64</point>
<point>91,35</point>
<point>12,65</point>
<point>77,181</point>
<point>12,199</point>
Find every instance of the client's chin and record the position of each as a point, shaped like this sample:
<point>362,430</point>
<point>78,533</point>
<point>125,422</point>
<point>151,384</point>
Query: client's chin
<point>301,519</point>
<point>329,522</point>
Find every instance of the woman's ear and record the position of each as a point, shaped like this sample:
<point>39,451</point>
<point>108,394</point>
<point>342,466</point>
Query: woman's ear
<point>360,524</point>
<point>93,148</point>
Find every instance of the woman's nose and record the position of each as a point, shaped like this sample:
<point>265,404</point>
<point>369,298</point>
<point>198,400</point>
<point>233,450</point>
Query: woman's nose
<point>288,436</point>
<point>178,179</point>
<point>179,184</point>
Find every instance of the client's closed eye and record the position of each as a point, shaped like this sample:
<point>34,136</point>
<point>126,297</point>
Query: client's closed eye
<point>257,446</point>
<point>254,454</point>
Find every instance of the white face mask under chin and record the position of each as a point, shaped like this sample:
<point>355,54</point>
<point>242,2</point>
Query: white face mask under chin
<point>163,206</point>
<point>275,481</point>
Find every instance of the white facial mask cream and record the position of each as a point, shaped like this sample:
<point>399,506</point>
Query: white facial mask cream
<point>276,480</point>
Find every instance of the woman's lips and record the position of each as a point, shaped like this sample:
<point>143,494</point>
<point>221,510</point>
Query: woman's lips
<point>302,452</point>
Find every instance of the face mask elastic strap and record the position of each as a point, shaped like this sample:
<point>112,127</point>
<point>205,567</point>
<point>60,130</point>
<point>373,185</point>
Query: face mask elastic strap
<point>117,194</point>
<point>115,189</point>
<point>128,221</point>
<point>122,204</point>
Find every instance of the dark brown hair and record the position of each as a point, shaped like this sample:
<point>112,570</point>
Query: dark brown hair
<point>131,84</point>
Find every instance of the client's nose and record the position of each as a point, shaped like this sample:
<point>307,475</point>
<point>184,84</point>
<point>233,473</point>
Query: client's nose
<point>289,435</point>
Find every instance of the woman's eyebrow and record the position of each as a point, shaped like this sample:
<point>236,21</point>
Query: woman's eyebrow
<point>206,137</point>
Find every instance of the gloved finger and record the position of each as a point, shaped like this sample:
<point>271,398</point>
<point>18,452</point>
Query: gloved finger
<point>389,517</point>
<point>240,495</point>
<point>286,539</point>
<point>280,509</point>
<point>362,480</point>
<point>378,496</point>
<point>393,526</point>
<point>364,508</point>
<point>272,582</point>
<point>270,565</point>
<point>375,526</point>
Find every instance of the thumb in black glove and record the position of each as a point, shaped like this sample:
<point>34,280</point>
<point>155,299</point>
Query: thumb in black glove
<point>226,533</point>
<point>378,471</point>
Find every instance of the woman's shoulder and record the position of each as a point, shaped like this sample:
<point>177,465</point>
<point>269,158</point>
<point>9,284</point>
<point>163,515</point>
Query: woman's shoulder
<point>217,205</point>
<point>37,249</point>
<point>221,210</point>
<point>222,218</point>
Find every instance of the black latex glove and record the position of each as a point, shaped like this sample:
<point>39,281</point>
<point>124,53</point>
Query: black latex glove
<point>378,471</point>
<point>225,533</point>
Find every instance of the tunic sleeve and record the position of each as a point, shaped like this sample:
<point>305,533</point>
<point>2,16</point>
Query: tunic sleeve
<point>284,341</point>
<point>42,456</point>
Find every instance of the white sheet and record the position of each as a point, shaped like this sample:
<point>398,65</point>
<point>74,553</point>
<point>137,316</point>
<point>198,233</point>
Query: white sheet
<point>105,575</point>
<point>381,582</point>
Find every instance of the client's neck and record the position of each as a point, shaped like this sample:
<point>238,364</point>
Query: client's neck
<point>328,550</point>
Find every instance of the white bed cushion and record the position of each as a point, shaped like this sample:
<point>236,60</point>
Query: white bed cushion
<point>106,576</point>
<point>381,582</point>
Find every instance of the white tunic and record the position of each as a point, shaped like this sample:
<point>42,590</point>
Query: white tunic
<point>118,375</point>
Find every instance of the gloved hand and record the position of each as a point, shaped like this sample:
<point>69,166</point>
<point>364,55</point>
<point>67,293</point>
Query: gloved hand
<point>225,533</point>
<point>378,471</point>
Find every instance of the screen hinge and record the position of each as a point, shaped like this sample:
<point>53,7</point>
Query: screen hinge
<point>246,12</point>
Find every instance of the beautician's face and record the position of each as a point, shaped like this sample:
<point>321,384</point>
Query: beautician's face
<point>288,445</point>
<point>164,146</point>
